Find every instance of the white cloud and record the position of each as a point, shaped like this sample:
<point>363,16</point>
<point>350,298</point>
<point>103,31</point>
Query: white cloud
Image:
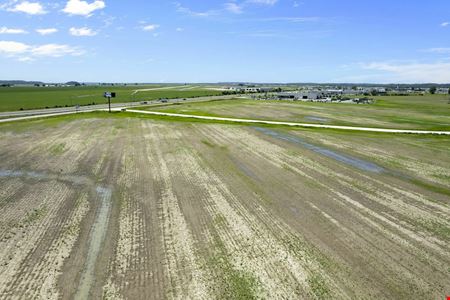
<point>55,50</point>
<point>289,19</point>
<point>83,8</point>
<point>31,8</point>
<point>185,10</point>
<point>179,29</point>
<point>11,48</point>
<point>150,27</point>
<point>83,31</point>
<point>46,31</point>
<point>438,50</point>
<point>25,52</point>
<point>438,72</point>
<point>6,30</point>
<point>25,59</point>
<point>445,24</point>
<point>263,2</point>
<point>233,7</point>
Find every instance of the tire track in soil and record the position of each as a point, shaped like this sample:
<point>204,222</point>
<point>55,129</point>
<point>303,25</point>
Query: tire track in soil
<point>17,251</point>
<point>101,232</point>
<point>244,228</point>
<point>295,245</point>
<point>96,238</point>
<point>136,269</point>
<point>279,157</point>
<point>186,276</point>
<point>41,279</point>
<point>50,233</point>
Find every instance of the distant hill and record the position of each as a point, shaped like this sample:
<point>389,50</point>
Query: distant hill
<point>20,82</point>
<point>73,83</point>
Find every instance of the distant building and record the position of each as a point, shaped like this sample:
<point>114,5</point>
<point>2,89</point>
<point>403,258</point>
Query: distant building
<point>302,95</point>
<point>442,91</point>
<point>250,89</point>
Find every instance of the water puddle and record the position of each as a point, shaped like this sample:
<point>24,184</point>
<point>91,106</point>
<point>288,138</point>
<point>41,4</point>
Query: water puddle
<point>343,158</point>
<point>97,236</point>
<point>15,174</point>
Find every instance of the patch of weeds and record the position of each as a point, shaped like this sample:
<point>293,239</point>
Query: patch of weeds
<point>430,187</point>
<point>439,229</point>
<point>292,152</point>
<point>58,149</point>
<point>288,168</point>
<point>208,143</point>
<point>71,230</point>
<point>318,286</point>
<point>224,148</point>
<point>35,215</point>
<point>230,282</point>
<point>305,252</point>
<point>219,221</point>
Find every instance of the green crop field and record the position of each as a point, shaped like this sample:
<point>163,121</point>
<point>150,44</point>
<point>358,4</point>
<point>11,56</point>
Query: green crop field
<point>431,112</point>
<point>16,98</point>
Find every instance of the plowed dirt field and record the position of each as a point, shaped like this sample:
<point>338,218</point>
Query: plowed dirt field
<point>127,208</point>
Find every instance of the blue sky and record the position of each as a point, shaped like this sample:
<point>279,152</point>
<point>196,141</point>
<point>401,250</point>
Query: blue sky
<point>211,41</point>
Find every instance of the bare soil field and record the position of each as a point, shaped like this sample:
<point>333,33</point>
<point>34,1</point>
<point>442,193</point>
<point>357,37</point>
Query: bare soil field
<point>129,208</point>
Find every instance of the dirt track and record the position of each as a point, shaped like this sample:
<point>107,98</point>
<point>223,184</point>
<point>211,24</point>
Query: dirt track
<point>216,211</point>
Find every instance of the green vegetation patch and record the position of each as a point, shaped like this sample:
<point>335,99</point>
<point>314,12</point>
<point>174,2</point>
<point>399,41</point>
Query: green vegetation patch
<point>208,143</point>
<point>230,282</point>
<point>35,215</point>
<point>319,288</point>
<point>58,149</point>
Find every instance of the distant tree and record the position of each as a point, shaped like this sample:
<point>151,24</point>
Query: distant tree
<point>433,90</point>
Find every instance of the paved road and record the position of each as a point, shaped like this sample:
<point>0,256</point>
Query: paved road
<point>306,125</point>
